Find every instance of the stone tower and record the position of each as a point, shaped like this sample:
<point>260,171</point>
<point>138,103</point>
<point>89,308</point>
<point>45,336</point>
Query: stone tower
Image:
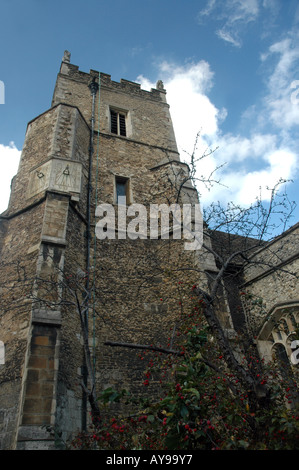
<point>99,141</point>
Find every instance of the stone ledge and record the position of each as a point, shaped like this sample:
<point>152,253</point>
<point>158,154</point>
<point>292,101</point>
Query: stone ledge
<point>46,317</point>
<point>34,438</point>
<point>33,433</point>
<point>54,240</point>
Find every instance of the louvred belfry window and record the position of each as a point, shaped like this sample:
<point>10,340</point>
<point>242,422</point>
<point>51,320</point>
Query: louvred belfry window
<point>118,123</point>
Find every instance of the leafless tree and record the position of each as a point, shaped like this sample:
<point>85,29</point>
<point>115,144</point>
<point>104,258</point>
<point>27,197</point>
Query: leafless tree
<point>232,235</point>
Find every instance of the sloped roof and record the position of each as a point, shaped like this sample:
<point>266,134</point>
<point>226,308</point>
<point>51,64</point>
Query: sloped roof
<point>226,244</point>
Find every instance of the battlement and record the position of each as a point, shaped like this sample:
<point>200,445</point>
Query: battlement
<point>72,71</point>
<point>137,106</point>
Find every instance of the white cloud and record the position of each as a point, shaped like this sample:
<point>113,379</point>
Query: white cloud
<point>232,11</point>
<point>273,6</point>
<point>244,186</point>
<point>233,15</point>
<point>264,157</point>
<point>253,161</point>
<point>9,162</point>
<point>211,4</point>
<point>281,109</point>
<point>228,37</point>
<point>187,87</point>
<point>235,148</point>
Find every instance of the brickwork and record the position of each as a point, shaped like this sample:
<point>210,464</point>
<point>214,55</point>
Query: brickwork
<point>21,241</point>
<point>39,393</point>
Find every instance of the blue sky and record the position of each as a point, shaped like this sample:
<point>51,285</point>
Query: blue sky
<point>228,67</point>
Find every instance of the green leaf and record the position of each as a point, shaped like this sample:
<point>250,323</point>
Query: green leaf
<point>172,442</point>
<point>184,411</point>
<point>193,391</point>
<point>150,419</point>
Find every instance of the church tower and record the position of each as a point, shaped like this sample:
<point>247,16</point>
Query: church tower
<point>101,142</point>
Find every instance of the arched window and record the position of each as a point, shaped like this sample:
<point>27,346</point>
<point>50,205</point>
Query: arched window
<point>280,353</point>
<point>278,330</point>
<point>274,342</point>
<point>286,373</point>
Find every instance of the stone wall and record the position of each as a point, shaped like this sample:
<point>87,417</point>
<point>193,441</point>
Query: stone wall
<point>271,296</point>
<point>20,247</point>
<point>52,175</point>
<point>139,286</point>
<point>271,275</point>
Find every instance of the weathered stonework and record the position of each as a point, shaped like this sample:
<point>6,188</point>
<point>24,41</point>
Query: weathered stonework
<point>273,281</point>
<point>72,162</point>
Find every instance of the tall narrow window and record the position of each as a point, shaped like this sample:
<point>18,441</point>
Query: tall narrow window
<point>118,122</point>
<point>122,190</point>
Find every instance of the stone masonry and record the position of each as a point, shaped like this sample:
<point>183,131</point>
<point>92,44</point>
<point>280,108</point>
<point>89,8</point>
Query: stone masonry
<point>71,162</point>
<point>98,140</point>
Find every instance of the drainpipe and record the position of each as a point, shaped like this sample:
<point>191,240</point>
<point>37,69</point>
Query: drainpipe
<point>93,86</point>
